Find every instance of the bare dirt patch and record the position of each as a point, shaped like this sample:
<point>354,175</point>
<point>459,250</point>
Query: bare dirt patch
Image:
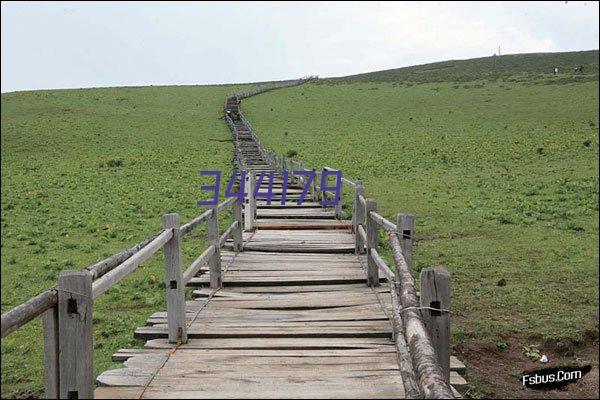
<point>497,373</point>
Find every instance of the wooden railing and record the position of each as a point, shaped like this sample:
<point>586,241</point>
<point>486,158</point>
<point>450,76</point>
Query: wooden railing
<point>273,85</point>
<point>67,308</point>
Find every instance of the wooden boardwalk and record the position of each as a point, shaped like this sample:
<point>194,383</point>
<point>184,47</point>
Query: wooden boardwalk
<point>294,319</point>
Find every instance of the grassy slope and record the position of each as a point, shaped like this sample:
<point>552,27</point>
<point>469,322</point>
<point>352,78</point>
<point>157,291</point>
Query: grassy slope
<point>502,177</point>
<point>64,207</point>
<point>485,67</point>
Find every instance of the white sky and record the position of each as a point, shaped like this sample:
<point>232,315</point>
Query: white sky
<point>68,45</point>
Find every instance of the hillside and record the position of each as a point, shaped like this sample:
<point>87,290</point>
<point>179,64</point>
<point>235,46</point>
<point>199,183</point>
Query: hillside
<point>494,67</point>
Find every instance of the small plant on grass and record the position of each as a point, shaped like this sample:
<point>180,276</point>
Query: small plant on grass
<point>531,351</point>
<point>291,153</point>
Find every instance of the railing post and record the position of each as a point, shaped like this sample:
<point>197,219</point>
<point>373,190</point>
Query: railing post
<point>174,286</point>
<point>303,178</point>
<point>216,280</point>
<point>406,234</point>
<point>315,193</point>
<point>359,218</point>
<point>237,232</point>
<point>435,293</point>
<point>51,345</point>
<point>338,204</point>
<point>371,229</point>
<point>250,204</point>
<point>76,354</point>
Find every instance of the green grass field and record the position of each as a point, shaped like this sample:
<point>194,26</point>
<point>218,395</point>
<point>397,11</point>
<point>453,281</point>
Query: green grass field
<point>501,175</point>
<point>500,169</point>
<point>85,174</point>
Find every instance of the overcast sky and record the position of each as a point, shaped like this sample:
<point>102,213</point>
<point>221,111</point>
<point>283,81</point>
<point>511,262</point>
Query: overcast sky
<point>69,45</point>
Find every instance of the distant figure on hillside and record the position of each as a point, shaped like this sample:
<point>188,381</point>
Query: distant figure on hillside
<point>555,70</point>
<point>579,68</point>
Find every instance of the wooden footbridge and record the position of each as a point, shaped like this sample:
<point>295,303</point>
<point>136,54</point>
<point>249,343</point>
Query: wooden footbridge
<point>289,302</point>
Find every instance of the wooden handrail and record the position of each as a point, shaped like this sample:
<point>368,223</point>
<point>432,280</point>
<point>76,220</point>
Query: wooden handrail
<point>197,264</point>
<point>187,228</point>
<point>37,305</point>
<point>108,280</point>
<point>387,225</point>
<point>25,312</point>
<point>381,264</point>
<point>228,233</point>
<point>429,373</point>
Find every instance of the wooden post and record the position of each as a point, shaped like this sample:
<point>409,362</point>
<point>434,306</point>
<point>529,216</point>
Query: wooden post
<point>406,233</point>
<point>315,193</point>
<point>174,286</point>
<point>338,205</point>
<point>51,345</point>
<point>250,204</point>
<point>435,293</point>
<point>237,232</point>
<point>303,178</point>
<point>371,229</point>
<point>358,218</point>
<point>354,227</point>
<point>76,354</point>
<point>216,280</point>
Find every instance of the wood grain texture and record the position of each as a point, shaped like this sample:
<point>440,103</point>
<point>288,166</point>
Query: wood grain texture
<point>75,334</point>
<point>174,284</point>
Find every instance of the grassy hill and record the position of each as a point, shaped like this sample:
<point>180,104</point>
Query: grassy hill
<point>85,174</point>
<point>500,170</point>
<point>502,175</point>
<point>491,68</point>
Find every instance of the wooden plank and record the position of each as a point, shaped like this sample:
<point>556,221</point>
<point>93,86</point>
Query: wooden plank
<point>310,213</point>
<point>269,344</point>
<point>295,223</point>
<point>457,381</point>
<point>355,288</point>
<point>457,365</point>
<point>365,330</point>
